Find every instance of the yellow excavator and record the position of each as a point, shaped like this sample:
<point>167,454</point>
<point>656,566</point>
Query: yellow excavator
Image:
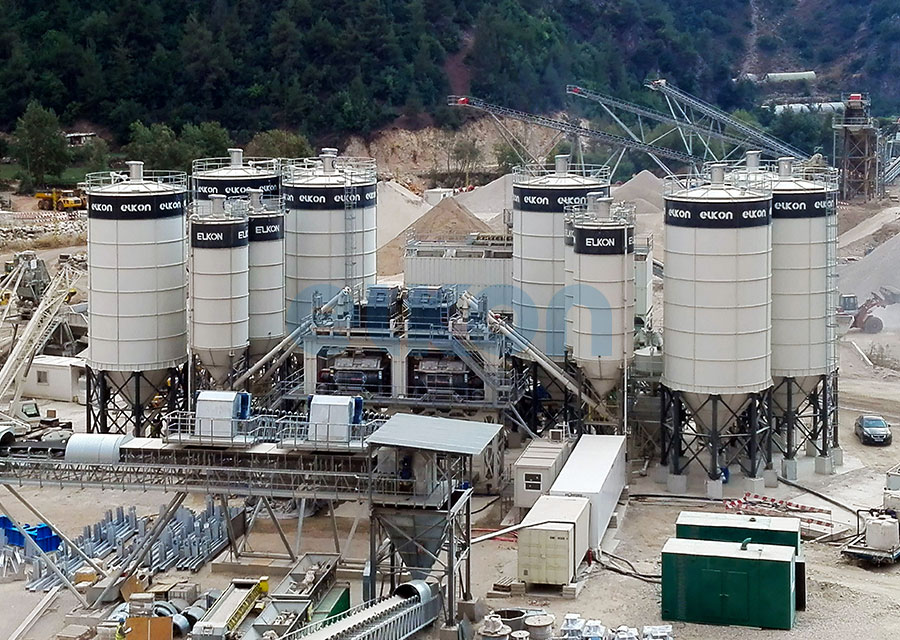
<point>60,200</point>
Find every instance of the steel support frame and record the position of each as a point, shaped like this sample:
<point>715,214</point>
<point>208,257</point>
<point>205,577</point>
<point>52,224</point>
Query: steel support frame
<point>861,160</point>
<point>451,563</point>
<point>741,436</point>
<point>801,418</point>
<point>109,412</point>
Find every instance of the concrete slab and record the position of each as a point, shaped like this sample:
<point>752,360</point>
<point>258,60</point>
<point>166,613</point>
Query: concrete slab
<point>770,476</point>
<point>714,489</point>
<point>837,454</point>
<point>660,474</point>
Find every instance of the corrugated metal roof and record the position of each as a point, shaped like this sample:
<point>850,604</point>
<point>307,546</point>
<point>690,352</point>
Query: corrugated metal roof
<point>435,434</point>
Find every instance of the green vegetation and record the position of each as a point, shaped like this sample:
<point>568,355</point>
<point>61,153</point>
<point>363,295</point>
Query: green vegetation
<point>346,65</point>
<point>39,144</point>
<point>173,80</point>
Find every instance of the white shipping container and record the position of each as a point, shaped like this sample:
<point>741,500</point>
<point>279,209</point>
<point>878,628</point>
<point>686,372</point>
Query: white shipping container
<point>550,553</point>
<point>596,471</point>
<point>536,470</point>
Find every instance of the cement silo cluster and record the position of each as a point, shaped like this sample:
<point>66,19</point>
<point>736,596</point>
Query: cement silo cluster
<point>540,197</point>
<point>137,321</point>
<point>237,263</point>
<point>749,302</point>
<point>717,310</point>
<point>330,229</point>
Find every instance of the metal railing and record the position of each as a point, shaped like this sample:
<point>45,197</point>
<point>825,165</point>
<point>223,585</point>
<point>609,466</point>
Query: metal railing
<point>268,482</point>
<point>295,431</point>
<point>174,179</point>
<point>287,431</point>
<point>186,426</point>
<point>259,165</point>
<point>301,170</point>
<point>853,121</point>
<point>525,173</point>
<point>743,184</point>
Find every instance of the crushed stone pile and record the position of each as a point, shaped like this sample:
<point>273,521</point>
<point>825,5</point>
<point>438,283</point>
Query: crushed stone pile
<point>17,231</point>
<point>448,218</point>
<point>487,201</point>
<point>645,190</point>
<point>644,187</point>
<point>878,269</point>
<point>398,207</point>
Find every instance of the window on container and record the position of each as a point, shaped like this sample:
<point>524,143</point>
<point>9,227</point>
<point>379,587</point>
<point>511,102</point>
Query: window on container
<point>42,377</point>
<point>532,482</point>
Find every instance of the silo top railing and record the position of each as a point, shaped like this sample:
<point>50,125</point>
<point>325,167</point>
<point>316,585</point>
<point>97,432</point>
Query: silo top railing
<point>526,173</point>
<point>736,185</point>
<point>359,170</point>
<point>258,164</point>
<point>173,179</point>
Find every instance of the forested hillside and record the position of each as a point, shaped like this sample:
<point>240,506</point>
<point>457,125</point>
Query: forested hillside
<point>354,65</point>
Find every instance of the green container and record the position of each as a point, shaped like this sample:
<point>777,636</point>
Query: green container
<point>336,600</point>
<point>733,527</point>
<point>711,582</point>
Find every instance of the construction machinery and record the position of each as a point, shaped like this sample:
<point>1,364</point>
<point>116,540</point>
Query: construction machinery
<point>43,319</point>
<point>861,316</point>
<point>61,200</point>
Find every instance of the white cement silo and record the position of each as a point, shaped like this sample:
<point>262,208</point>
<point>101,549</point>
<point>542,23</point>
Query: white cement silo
<point>266,281</point>
<point>219,290</point>
<point>137,323</point>
<point>330,226</point>
<point>540,197</point>
<point>603,278</point>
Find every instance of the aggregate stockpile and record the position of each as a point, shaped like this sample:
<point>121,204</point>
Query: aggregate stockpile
<point>878,269</point>
<point>400,207</point>
<point>447,218</point>
<point>645,191</point>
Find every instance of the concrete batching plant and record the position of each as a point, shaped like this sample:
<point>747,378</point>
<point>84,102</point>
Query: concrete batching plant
<point>137,297</point>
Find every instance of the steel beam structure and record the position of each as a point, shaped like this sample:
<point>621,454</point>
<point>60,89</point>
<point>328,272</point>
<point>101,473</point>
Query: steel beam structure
<point>684,106</point>
<point>429,542</point>
<point>618,142</point>
<point>805,418</point>
<point>739,435</point>
<point>688,131</point>
<point>131,403</point>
